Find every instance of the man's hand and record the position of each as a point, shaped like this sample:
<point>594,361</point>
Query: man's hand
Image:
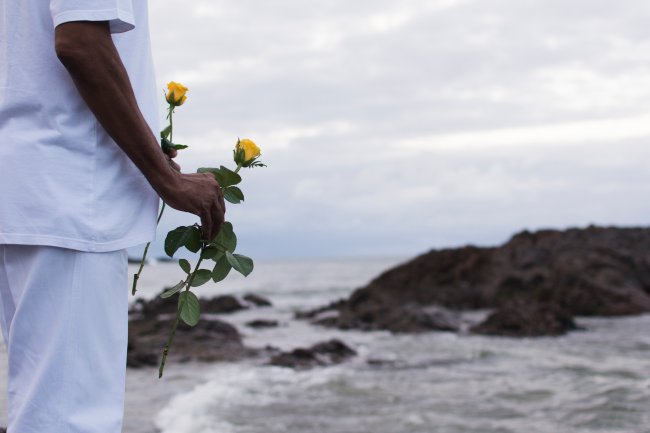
<point>200,194</point>
<point>87,51</point>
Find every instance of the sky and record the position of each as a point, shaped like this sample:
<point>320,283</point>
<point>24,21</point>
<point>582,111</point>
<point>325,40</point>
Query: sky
<point>391,127</point>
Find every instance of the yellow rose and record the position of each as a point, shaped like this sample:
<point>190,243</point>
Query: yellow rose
<point>176,93</point>
<point>250,151</point>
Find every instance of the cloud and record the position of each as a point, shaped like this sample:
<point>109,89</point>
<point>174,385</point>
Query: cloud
<point>393,126</point>
<point>561,134</point>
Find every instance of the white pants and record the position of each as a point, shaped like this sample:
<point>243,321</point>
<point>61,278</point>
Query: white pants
<point>64,320</point>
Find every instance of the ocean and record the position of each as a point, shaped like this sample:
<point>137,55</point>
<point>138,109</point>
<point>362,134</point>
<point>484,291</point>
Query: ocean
<point>594,380</point>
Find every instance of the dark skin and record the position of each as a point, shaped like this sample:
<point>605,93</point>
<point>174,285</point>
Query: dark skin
<point>87,51</point>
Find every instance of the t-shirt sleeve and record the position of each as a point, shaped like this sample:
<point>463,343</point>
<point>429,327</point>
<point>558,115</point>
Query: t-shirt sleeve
<point>119,13</point>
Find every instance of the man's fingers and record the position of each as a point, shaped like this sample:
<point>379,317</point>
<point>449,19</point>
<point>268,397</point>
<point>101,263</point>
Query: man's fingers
<point>206,226</point>
<point>201,196</point>
<point>217,218</point>
<point>221,201</point>
<point>173,164</point>
<point>212,179</point>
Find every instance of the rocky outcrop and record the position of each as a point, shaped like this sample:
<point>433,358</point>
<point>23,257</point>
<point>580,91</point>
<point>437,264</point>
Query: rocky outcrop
<point>208,341</point>
<point>322,354</point>
<point>257,300</point>
<point>409,318</point>
<point>263,323</point>
<point>222,304</point>
<point>592,272</point>
<point>213,340</point>
<point>526,320</point>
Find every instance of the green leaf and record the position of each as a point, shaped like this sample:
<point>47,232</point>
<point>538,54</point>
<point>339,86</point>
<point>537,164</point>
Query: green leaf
<point>190,308</point>
<point>210,253</point>
<point>194,243</point>
<point>241,263</point>
<point>233,194</point>
<point>179,146</point>
<point>169,292</point>
<point>226,237</point>
<point>201,277</point>
<point>185,265</point>
<point>165,144</point>
<point>221,270</point>
<point>229,177</point>
<point>177,238</point>
<point>165,132</point>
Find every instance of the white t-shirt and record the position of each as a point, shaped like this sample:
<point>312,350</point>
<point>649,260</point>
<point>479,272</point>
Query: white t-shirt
<point>63,181</point>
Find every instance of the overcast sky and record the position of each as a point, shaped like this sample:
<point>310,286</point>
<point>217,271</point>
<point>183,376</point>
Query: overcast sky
<point>394,126</point>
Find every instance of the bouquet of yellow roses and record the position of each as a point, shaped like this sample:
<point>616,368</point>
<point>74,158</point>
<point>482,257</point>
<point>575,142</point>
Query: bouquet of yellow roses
<point>218,252</point>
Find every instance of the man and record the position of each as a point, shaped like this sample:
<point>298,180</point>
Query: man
<point>80,171</point>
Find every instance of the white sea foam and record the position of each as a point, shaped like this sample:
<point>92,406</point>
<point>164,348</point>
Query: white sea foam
<point>231,393</point>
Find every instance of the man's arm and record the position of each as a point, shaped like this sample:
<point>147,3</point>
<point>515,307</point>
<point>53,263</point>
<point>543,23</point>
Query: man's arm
<point>87,51</point>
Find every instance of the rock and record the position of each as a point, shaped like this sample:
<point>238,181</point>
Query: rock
<point>257,300</point>
<point>593,272</point>
<point>137,357</point>
<point>262,323</point>
<point>310,314</point>
<point>410,318</point>
<point>208,341</point>
<point>526,320</point>
<point>322,354</point>
<point>222,304</point>
<point>157,306</point>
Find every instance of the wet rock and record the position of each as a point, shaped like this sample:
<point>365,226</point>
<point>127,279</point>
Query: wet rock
<point>138,358</point>
<point>311,314</point>
<point>592,272</point>
<point>410,318</point>
<point>154,307</point>
<point>257,300</point>
<point>158,306</point>
<point>222,304</point>
<point>208,341</point>
<point>526,320</point>
<point>263,323</point>
<point>322,354</point>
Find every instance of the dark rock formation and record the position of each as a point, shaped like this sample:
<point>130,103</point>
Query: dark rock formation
<point>311,314</point>
<point>322,354</point>
<point>592,271</point>
<point>257,300</point>
<point>526,320</point>
<point>208,341</point>
<point>222,304</point>
<point>409,318</point>
<point>262,323</point>
<point>218,305</point>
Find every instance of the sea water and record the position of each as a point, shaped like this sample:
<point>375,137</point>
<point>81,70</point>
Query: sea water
<point>595,380</point>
